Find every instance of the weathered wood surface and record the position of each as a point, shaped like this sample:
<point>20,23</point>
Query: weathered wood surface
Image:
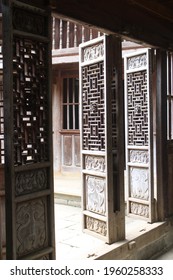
<point>28,132</point>
<point>161,135</point>
<point>2,215</point>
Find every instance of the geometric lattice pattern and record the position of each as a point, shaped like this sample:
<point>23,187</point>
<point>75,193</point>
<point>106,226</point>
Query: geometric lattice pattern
<point>137,108</point>
<point>114,110</point>
<point>1,119</point>
<point>93,107</point>
<point>30,93</point>
<point>139,124</point>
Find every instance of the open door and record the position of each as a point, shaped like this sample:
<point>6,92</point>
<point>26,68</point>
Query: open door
<point>139,134</point>
<point>28,131</point>
<point>102,145</point>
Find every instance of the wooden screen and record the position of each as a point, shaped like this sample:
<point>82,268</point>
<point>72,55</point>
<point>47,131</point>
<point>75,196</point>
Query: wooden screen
<point>28,132</point>
<point>2,191</point>
<point>139,133</point>
<point>101,131</point>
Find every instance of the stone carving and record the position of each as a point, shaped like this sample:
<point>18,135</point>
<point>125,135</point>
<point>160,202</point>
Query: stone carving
<point>95,198</point>
<point>139,209</point>
<point>29,22</point>
<point>96,226</point>
<point>137,61</point>
<point>95,163</point>
<point>93,52</point>
<point>30,181</point>
<point>139,183</point>
<point>31,229</point>
<point>139,156</point>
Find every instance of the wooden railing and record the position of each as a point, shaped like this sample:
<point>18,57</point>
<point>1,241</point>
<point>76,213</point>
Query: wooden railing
<point>67,34</point>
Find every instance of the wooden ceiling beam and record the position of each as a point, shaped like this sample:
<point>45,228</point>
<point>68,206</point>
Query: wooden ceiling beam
<point>121,18</point>
<point>155,8</point>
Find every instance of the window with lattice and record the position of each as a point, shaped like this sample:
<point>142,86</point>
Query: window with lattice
<point>70,103</point>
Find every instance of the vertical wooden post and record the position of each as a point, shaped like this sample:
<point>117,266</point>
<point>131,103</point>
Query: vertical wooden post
<point>53,33</point>
<point>68,35</point>
<point>60,32</point>
<point>161,134</point>
<point>75,35</point>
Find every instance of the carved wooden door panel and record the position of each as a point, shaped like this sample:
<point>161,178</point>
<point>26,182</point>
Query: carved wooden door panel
<point>102,138</point>
<point>28,132</point>
<point>139,134</point>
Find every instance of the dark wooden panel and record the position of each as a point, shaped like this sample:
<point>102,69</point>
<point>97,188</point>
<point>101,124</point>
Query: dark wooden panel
<point>170,184</point>
<point>2,215</point>
<point>37,3</point>
<point>161,133</point>
<point>28,132</point>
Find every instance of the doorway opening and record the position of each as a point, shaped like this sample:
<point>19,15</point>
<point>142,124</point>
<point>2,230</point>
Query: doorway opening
<point>66,135</point>
<point>67,37</point>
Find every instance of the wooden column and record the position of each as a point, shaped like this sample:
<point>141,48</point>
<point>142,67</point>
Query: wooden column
<point>161,134</point>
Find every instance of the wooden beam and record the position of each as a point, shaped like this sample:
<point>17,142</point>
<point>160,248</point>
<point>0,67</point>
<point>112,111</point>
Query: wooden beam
<point>155,8</point>
<point>121,18</point>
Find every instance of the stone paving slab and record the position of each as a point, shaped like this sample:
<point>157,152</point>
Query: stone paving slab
<point>73,244</point>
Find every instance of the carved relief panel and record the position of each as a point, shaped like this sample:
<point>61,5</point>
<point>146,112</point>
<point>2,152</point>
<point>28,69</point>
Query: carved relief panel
<point>139,163</point>
<point>95,194</point>
<point>31,225</point>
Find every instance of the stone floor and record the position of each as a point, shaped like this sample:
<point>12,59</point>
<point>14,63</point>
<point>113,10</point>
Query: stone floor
<point>73,244</point>
<point>167,255</point>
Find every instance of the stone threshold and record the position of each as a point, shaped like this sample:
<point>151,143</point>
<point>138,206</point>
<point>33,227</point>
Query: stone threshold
<point>147,244</point>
